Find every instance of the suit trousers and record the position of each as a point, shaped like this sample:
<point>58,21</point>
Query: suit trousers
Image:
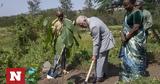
<point>101,64</point>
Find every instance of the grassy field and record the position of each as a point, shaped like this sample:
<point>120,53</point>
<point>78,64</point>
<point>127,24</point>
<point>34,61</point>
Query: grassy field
<point>80,56</point>
<point>6,37</point>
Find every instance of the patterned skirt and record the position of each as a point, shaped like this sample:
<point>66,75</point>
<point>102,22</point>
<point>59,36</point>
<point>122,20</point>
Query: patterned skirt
<point>133,56</point>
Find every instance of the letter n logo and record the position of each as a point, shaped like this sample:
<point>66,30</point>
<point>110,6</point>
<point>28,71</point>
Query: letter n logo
<point>15,76</point>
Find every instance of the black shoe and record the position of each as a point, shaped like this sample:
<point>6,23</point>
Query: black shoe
<point>100,79</point>
<point>94,80</point>
<point>146,74</point>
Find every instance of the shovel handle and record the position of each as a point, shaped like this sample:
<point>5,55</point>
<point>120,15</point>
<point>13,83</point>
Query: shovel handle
<point>61,54</point>
<point>59,58</point>
<point>86,80</point>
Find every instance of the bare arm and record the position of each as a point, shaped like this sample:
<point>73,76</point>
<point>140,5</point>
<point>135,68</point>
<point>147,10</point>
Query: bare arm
<point>137,21</point>
<point>133,32</point>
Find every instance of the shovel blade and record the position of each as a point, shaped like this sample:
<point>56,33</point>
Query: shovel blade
<point>52,74</point>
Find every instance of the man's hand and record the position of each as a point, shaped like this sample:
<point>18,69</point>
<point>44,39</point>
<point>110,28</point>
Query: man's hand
<point>94,58</point>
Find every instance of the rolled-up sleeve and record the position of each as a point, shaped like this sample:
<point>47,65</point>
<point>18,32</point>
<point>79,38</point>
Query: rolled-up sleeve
<point>96,40</point>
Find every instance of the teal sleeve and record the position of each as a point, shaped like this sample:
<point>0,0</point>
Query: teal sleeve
<point>137,19</point>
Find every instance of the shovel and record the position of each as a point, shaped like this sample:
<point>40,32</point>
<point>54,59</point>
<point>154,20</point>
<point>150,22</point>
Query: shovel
<point>86,80</point>
<point>53,72</point>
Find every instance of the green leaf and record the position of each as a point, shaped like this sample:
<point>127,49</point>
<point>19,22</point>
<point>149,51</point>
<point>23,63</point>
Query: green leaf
<point>48,31</point>
<point>67,35</point>
<point>45,22</point>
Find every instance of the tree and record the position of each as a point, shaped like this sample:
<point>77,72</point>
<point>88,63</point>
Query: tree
<point>117,3</point>
<point>88,4</point>
<point>103,4</point>
<point>66,6</point>
<point>33,6</point>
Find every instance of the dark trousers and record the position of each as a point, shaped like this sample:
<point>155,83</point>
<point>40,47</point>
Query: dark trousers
<point>63,60</point>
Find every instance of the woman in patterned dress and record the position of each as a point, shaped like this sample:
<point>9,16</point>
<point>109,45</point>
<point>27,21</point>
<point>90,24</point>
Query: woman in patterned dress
<point>133,41</point>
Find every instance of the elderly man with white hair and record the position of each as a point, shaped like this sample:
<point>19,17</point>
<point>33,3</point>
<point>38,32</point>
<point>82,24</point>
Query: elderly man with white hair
<point>103,41</point>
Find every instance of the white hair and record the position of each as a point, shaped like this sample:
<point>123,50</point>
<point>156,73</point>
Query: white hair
<point>80,19</point>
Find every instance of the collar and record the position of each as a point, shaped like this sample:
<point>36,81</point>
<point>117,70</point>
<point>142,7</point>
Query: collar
<point>88,20</point>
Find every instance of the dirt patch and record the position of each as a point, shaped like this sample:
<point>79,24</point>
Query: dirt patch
<point>78,76</point>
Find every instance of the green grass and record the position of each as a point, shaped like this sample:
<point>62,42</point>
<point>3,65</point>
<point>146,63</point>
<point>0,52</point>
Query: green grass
<point>7,37</point>
<point>144,80</point>
<point>80,56</point>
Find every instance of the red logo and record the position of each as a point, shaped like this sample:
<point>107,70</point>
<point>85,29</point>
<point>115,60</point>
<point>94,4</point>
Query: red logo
<point>15,76</point>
